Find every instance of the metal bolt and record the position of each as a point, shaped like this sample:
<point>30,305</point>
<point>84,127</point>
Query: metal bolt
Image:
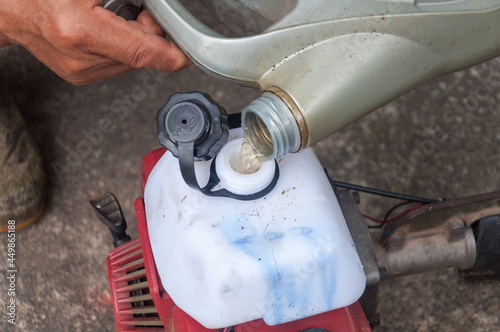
<point>456,228</point>
<point>396,243</point>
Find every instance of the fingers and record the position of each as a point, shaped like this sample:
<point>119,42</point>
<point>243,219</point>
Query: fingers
<point>86,70</point>
<point>99,73</point>
<point>126,43</point>
<point>77,67</point>
<point>146,23</point>
<point>111,46</point>
<point>129,44</point>
<point>91,70</point>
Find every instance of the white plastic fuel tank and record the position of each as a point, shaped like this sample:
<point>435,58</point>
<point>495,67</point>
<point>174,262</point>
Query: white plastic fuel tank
<point>283,257</point>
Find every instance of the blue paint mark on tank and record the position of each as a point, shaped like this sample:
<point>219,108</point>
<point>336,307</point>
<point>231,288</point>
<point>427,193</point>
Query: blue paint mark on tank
<point>301,230</point>
<point>274,235</point>
<point>289,285</point>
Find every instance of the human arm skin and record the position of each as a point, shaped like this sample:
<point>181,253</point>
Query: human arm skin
<point>83,42</point>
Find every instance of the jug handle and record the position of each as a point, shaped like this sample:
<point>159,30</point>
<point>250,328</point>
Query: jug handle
<point>207,48</point>
<point>232,59</point>
<point>179,18</point>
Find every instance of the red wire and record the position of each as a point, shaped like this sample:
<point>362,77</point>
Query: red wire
<point>392,219</point>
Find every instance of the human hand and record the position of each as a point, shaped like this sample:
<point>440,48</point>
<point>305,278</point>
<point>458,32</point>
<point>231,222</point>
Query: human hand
<point>83,42</point>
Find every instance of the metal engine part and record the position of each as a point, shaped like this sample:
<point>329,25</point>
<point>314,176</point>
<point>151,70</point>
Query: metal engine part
<point>361,236</point>
<point>450,245</point>
<point>487,266</point>
<point>461,233</point>
<point>434,236</point>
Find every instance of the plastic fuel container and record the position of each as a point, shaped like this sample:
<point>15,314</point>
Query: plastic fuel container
<point>282,257</point>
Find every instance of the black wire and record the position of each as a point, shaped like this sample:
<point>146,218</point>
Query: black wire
<point>373,191</point>
<point>395,207</point>
<point>389,213</point>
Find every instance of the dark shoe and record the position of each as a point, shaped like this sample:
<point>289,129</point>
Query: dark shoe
<point>22,178</point>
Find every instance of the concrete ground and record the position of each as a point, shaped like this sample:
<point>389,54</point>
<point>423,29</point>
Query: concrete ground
<point>93,138</point>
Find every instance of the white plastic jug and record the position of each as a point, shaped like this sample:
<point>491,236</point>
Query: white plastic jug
<point>323,64</point>
<point>283,257</point>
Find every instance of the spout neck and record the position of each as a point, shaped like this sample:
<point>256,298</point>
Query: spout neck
<point>271,127</point>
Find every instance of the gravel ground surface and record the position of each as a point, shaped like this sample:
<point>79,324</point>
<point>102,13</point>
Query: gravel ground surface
<point>451,123</point>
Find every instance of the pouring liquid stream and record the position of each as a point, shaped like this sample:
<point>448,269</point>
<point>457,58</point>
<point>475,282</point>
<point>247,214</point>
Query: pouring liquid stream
<point>248,160</point>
